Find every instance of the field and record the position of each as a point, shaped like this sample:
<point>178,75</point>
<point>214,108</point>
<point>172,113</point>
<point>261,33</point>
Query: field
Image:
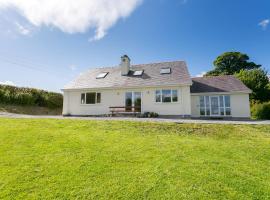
<point>79,159</point>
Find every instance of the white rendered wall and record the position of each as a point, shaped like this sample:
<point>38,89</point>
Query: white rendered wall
<point>240,107</point>
<point>72,102</point>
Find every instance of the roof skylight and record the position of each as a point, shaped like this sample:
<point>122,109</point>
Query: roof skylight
<point>138,73</point>
<point>102,75</point>
<point>165,70</point>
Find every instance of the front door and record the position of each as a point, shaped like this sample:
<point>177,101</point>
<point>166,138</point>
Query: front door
<point>214,106</point>
<point>133,99</point>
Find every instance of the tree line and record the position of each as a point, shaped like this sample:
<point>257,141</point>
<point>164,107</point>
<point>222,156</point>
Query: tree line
<point>29,96</point>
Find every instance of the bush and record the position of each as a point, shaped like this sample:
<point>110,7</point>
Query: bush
<point>29,96</point>
<point>260,110</point>
<point>148,115</point>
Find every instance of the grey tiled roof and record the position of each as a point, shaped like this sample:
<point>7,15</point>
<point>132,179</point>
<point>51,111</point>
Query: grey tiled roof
<point>218,84</point>
<point>151,77</point>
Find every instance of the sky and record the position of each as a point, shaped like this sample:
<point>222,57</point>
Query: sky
<point>47,43</point>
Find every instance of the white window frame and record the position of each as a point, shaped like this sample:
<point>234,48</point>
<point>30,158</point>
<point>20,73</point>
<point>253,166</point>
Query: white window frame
<point>85,96</point>
<point>224,106</point>
<point>161,95</point>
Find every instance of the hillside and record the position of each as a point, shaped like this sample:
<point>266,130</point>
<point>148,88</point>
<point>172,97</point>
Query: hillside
<point>30,101</point>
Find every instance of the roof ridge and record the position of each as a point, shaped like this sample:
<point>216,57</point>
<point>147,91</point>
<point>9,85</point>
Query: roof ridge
<point>152,63</point>
<point>212,76</point>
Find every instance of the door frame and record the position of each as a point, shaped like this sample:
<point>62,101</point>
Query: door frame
<point>133,97</point>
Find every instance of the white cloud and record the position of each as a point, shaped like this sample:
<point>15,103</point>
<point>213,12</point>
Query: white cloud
<point>264,23</point>
<point>73,67</point>
<point>22,29</point>
<point>7,83</point>
<point>74,16</point>
<point>201,74</point>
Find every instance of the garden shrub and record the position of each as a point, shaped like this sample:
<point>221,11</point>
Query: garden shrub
<point>260,110</point>
<point>148,115</point>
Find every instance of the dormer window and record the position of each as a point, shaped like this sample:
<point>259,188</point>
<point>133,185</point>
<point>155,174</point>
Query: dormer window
<point>138,73</point>
<point>165,70</point>
<point>102,75</point>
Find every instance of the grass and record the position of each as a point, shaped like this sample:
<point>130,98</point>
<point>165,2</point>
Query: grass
<point>29,110</point>
<point>76,159</point>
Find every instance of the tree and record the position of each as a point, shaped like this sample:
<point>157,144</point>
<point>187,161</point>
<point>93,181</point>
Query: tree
<point>257,81</point>
<point>230,63</point>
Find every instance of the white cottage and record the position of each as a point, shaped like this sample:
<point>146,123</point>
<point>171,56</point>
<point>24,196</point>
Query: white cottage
<point>165,88</point>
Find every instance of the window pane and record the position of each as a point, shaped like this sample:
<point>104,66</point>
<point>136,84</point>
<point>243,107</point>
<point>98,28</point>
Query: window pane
<point>102,75</point>
<point>221,102</point>
<point>98,97</point>
<point>207,104</point>
<point>90,98</point>
<point>174,96</point>
<point>166,95</point>
<point>214,105</point>
<point>228,111</point>
<point>138,73</point>
<point>158,96</point>
<point>202,102</point>
<point>83,98</point>
<point>221,111</point>
<point>227,101</point>
<point>202,105</point>
<point>202,111</point>
<point>165,70</point>
<point>137,101</point>
<point>128,101</point>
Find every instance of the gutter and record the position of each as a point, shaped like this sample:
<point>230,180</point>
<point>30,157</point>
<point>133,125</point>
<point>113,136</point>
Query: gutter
<point>129,87</point>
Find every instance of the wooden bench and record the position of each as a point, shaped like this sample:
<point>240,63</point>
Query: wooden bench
<point>125,110</point>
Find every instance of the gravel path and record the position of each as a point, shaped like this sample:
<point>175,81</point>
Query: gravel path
<point>199,121</point>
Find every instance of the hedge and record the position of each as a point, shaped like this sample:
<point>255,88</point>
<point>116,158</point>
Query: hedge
<point>29,96</point>
<point>260,110</point>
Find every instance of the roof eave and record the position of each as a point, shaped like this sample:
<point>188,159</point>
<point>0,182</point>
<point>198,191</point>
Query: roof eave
<point>126,87</point>
<point>226,92</point>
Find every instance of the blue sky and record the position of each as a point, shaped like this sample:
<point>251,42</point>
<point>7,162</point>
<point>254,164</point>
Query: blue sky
<point>48,50</point>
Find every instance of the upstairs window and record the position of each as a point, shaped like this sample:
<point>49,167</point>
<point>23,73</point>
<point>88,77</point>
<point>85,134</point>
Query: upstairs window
<point>102,75</point>
<point>138,73</point>
<point>165,70</point>
<point>91,98</point>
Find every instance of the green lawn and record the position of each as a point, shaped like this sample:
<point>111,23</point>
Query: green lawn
<point>69,159</point>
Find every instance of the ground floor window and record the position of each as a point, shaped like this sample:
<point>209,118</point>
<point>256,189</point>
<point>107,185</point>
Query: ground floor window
<point>91,98</point>
<point>166,96</point>
<point>215,105</point>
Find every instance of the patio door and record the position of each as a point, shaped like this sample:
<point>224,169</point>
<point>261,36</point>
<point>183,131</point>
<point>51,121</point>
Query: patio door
<point>214,106</point>
<point>133,99</point>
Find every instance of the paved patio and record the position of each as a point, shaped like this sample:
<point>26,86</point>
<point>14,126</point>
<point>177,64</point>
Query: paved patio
<point>256,122</point>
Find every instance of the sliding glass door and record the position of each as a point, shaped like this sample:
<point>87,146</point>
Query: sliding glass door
<point>215,105</point>
<point>133,99</point>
